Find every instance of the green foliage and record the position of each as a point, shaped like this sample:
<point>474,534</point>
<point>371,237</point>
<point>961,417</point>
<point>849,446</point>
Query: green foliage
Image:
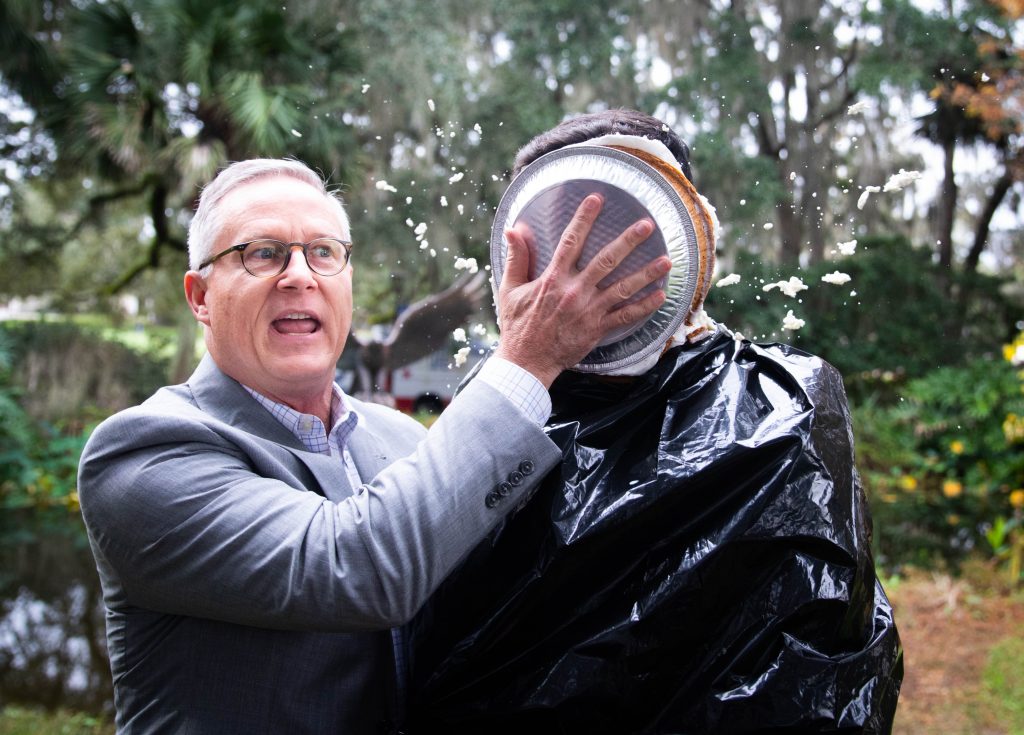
<point>71,367</point>
<point>743,189</point>
<point>916,47</point>
<point>38,468</point>
<point>944,467</point>
<point>86,357</point>
<point>16,430</point>
<point>899,325</point>
<point>147,99</point>
<point>21,721</point>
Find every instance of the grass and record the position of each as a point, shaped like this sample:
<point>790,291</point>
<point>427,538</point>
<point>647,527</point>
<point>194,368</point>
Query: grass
<point>20,721</point>
<point>963,642</point>
<point>1003,685</point>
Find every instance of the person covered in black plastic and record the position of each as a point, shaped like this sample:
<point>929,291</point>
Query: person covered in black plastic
<point>699,563</point>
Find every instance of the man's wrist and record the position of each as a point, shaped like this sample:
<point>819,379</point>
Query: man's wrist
<point>545,374</point>
<point>524,389</point>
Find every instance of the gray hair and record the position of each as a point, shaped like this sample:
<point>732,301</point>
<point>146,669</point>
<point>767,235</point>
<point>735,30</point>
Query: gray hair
<point>206,225</point>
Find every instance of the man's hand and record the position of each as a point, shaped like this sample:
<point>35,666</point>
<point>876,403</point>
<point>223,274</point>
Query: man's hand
<point>553,322</point>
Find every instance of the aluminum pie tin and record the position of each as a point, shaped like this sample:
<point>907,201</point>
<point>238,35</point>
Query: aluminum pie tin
<point>544,197</point>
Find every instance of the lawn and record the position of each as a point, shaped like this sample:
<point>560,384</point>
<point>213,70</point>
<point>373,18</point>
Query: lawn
<point>963,654</point>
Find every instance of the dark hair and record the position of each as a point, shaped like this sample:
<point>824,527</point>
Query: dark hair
<point>584,127</point>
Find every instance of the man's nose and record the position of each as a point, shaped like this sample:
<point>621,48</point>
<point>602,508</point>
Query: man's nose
<point>297,272</point>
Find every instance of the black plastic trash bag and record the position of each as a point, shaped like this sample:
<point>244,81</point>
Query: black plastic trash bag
<point>700,563</point>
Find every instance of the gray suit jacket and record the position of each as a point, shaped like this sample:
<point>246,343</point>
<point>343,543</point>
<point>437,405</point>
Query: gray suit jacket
<point>249,588</point>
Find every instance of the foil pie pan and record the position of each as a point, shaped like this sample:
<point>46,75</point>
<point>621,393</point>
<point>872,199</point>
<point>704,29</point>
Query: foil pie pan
<point>544,197</point>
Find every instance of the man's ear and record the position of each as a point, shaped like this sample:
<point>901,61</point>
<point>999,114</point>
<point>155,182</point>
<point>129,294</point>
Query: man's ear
<point>195,294</point>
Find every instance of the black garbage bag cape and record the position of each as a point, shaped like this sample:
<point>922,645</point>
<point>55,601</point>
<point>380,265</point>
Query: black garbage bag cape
<point>700,563</point>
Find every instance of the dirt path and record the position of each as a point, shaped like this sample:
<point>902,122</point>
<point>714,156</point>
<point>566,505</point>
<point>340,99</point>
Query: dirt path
<point>947,630</point>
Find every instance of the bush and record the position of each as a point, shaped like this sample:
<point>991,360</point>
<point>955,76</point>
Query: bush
<point>38,473</point>
<point>72,375</point>
<point>901,323</point>
<point>944,465</point>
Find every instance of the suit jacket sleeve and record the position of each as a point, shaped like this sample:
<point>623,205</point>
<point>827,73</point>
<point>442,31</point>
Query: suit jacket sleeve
<point>186,518</point>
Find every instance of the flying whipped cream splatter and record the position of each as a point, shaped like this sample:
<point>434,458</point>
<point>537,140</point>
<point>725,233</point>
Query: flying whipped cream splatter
<point>730,280</point>
<point>847,248</point>
<point>791,322</point>
<point>455,178</point>
<point>791,287</point>
<point>836,277</point>
<point>382,185</point>
<point>468,264</point>
<point>856,107</point>
<point>459,335</point>
<point>868,190</point>
<point>461,356</point>
<point>901,180</point>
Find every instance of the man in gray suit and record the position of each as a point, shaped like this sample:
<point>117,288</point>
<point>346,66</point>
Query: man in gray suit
<point>258,533</point>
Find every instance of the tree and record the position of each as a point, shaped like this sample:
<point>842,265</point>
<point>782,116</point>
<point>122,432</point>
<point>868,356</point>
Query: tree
<point>151,97</point>
<point>768,84</point>
<point>993,98</point>
<point>953,58</point>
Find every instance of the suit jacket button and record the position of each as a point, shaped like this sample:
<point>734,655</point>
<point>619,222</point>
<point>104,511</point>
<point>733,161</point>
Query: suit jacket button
<point>526,467</point>
<point>491,500</point>
<point>504,488</point>
<point>515,477</point>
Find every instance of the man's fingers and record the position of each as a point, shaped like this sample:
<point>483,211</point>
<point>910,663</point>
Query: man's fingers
<point>615,252</point>
<point>625,287</point>
<point>634,312</point>
<point>570,246</point>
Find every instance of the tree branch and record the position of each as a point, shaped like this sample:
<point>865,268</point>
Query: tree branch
<point>985,220</point>
<point>835,111</point>
<point>162,238</point>
<point>100,200</point>
<point>766,136</point>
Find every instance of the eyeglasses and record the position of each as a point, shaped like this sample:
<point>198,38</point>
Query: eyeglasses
<point>326,256</point>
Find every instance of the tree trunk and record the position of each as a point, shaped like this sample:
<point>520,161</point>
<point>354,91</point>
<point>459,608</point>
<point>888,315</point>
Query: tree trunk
<point>789,233</point>
<point>947,208</point>
<point>985,220</point>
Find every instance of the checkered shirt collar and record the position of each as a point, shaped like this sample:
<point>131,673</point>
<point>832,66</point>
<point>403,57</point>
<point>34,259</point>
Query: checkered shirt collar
<point>308,428</point>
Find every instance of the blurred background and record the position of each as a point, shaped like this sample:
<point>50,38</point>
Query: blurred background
<point>879,140</point>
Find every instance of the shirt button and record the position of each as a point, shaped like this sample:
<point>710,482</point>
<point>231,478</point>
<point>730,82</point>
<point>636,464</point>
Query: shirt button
<point>491,500</point>
<point>526,467</point>
<point>504,488</point>
<point>515,477</point>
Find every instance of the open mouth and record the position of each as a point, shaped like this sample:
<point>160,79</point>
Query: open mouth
<point>297,323</point>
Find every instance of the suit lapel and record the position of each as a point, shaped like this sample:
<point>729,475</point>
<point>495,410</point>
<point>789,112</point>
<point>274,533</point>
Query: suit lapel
<point>329,472</point>
<point>226,400</point>
<point>368,449</point>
